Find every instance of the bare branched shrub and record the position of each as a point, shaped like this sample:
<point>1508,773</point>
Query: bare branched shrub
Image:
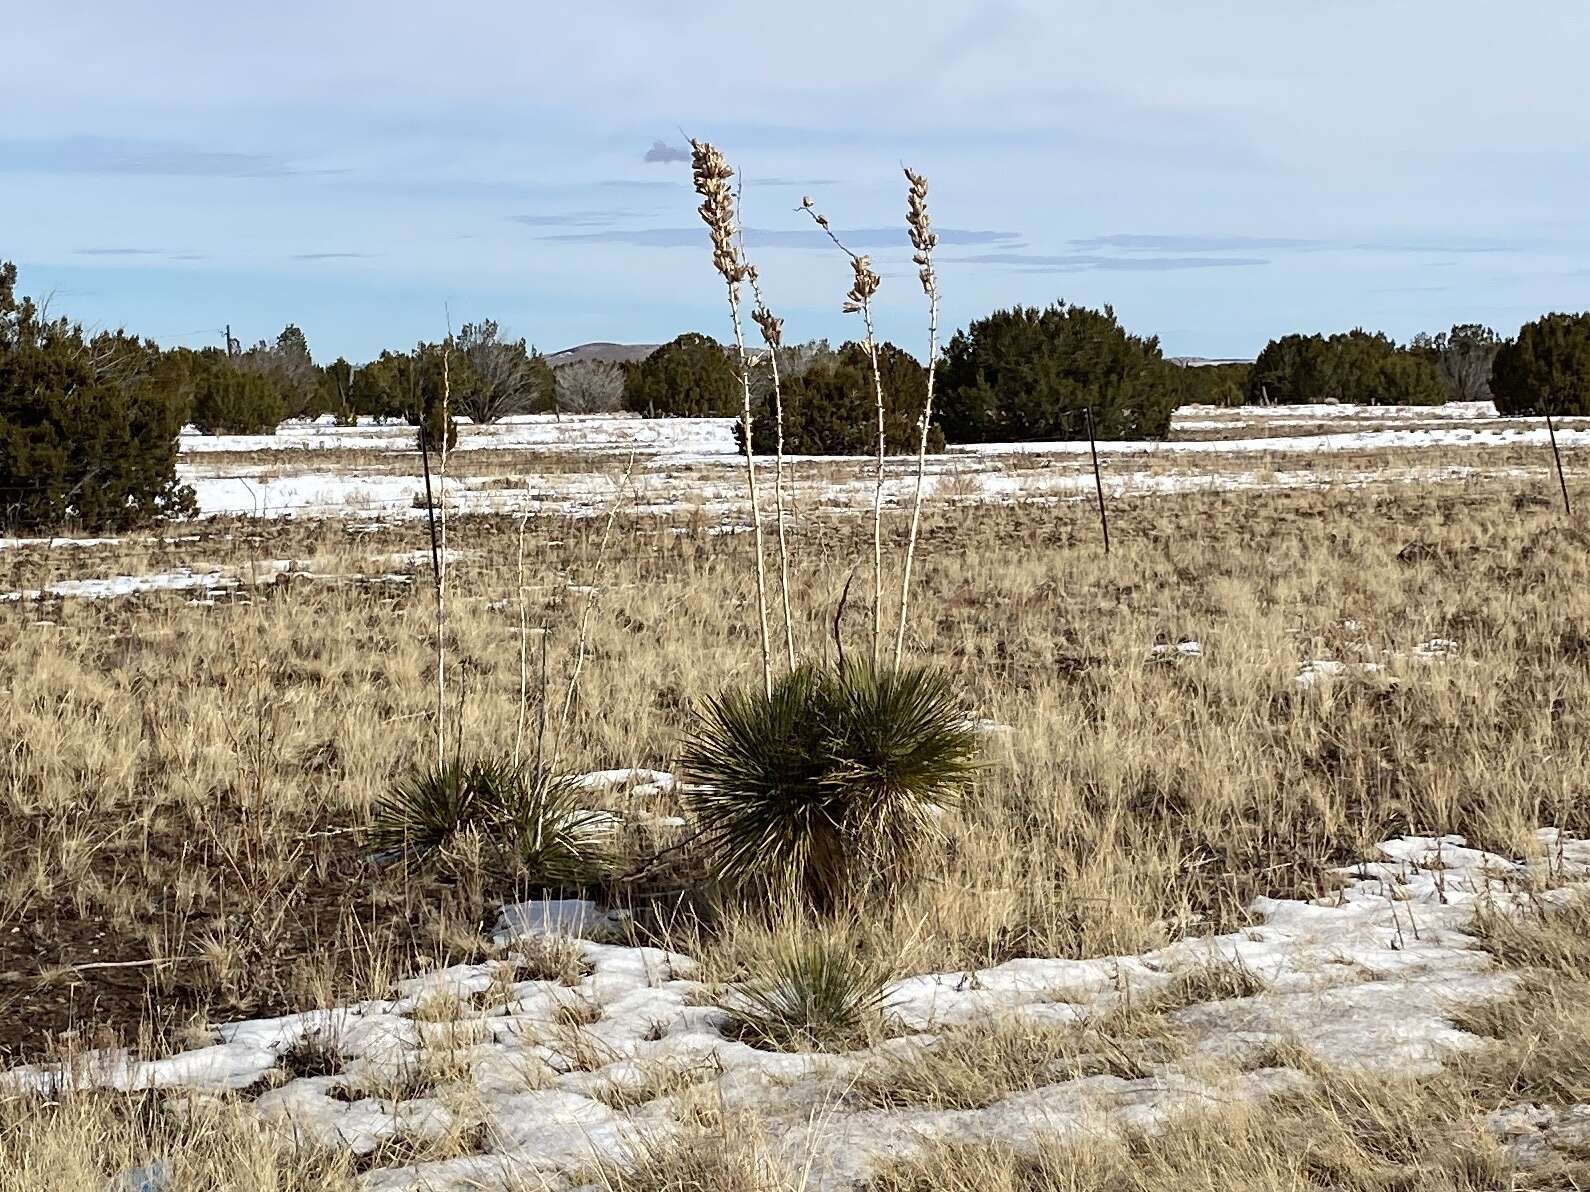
<point>589,387</point>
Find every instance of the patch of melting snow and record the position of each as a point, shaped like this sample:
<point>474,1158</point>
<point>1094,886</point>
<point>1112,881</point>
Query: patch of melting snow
<point>1366,978</point>
<point>640,783</point>
<point>572,917</point>
<point>56,543</point>
<point>1436,649</point>
<point>126,585</point>
<point>1183,649</point>
<point>215,579</point>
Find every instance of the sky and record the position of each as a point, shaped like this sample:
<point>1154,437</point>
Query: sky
<point>1220,172</point>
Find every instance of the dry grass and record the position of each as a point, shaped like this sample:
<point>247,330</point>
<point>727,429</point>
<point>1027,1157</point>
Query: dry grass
<point>1362,1137</point>
<point>93,1141</point>
<point>974,1066</point>
<point>187,784</point>
<point>1541,1051</point>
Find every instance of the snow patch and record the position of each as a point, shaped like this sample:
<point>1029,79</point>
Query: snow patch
<point>1366,978</point>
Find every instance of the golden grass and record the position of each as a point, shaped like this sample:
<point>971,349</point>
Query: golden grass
<point>94,1140</point>
<point>173,774</point>
<point>185,784</point>
<point>973,1066</point>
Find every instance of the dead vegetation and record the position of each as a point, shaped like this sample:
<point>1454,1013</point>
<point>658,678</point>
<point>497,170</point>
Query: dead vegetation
<point>184,791</point>
<point>184,788</point>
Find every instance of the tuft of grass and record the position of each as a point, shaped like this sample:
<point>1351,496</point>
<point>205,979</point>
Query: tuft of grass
<point>717,1153</point>
<point>99,1140</point>
<point>1215,981</point>
<point>1541,1048</point>
<point>531,816</point>
<point>577,1011</point>
<point>1344,1133</point>
<point>408,1148</point>
<point>655,1080</point>
<point>830,776</point>
<point>1549,935</point>
<point>973,1066</point>
<point>547,958</point>
<point>314,1053</point>
<point>1541,1045</point>
<point>820,995</point>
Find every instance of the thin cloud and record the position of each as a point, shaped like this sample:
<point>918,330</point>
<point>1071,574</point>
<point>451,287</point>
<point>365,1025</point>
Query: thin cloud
<point>1199,242</point>
<point>332,256</point>
<point>1090,262</point>
<point>107,155</point>
<point>856,238</point>
<point>637,184</point>
<point>1453,244</point>
<point>575,219</point>
<point>662,151</point>
<point>1133,242</point>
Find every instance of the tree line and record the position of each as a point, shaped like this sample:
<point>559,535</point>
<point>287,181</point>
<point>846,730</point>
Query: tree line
<point>89,422</point>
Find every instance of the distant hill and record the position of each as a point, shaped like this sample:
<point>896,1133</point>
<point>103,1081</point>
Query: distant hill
<point>1204,361</point>
<point>604,353</point>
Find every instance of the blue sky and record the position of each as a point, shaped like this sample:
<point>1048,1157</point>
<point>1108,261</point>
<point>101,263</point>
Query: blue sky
<point>1220,171</point>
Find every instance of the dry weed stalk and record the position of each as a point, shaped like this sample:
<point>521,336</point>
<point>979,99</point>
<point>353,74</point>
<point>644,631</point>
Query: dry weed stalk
<point>712,176</point>
<point>441,557</point>
<point>923,242</point>
<point>582,643</point>
<point>772,328</point>
<point>524,635</point>
<point>864,284</point>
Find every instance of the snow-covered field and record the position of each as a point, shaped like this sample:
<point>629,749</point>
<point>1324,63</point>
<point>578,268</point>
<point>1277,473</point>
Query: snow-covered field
<point>1366,979</point>
<point>673,466</point>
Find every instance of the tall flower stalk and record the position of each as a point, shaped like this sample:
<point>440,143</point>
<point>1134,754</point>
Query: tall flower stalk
<point>864,285</point>
<point>923,241</point>
<point>772,329</point>
<point>712,177</point>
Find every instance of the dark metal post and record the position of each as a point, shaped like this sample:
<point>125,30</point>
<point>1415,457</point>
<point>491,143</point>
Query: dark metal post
<point>430,505</point>
<point>1098,480</point>
<point>1562,481</point>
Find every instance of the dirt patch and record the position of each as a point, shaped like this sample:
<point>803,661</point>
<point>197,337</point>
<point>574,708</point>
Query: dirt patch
<point>143,945</point>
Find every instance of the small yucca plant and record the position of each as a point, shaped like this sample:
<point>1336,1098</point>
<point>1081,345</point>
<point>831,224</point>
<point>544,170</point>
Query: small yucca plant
<point>548,835</point>
<point>428,806</point>
<point>531,817</point>
<point>820,995</point>
<point>831,777</point>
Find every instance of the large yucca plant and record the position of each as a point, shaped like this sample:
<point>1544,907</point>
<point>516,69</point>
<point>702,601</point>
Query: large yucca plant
<point>831,776</point>
<point>531,817</point>
<point>819,995</point>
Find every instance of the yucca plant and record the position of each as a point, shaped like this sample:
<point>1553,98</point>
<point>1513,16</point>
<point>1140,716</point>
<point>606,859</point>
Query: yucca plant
<point>834,776</point>
<point>428,806</point>
<point>531,817</point>
<point>549,837</point>
<point>820,995</point>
